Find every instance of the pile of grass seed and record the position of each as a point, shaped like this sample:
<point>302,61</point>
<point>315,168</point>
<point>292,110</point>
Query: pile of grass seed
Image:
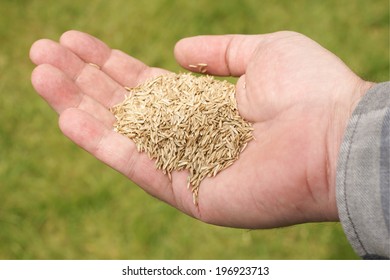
<point>185,122</point>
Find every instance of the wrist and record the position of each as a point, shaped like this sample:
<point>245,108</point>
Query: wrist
<point>341,113</point>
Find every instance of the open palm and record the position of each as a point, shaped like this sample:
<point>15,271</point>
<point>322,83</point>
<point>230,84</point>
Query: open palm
<point>297,95</point>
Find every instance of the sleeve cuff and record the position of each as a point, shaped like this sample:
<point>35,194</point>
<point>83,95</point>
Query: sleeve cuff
<point>363,175</point>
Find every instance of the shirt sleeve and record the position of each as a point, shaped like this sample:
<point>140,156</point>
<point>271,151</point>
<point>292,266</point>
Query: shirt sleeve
<point>363,175</point>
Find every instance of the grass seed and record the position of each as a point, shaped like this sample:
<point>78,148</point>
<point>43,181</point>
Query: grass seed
<point>185,122</point>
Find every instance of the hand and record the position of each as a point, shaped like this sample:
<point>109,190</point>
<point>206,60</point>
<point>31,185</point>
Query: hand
<point>298,96</point>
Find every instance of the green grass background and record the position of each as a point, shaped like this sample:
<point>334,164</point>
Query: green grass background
<point>58,202</point>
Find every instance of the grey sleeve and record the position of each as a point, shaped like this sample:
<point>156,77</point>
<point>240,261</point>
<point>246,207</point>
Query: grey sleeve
<point>363,175</point>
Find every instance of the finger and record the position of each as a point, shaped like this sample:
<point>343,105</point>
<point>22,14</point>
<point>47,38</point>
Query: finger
<point>88,78</point>
<point>225,55</point>
<point>116,151</point>
<point>46,51</point>
<point>62,93</point>
<point>122,68</point>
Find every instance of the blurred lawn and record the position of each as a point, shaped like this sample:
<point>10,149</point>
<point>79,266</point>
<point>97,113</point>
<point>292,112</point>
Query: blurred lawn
<point>56,201</point>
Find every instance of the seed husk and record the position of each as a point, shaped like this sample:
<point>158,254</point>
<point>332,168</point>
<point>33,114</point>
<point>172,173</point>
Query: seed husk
<point>186,122</point>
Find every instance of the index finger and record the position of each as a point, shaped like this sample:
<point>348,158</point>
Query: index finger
<point>124,69</point>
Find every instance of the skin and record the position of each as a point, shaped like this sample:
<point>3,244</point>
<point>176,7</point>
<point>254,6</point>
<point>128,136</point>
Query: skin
<point>298,96</point>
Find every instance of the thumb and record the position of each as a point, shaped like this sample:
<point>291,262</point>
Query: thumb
<point>225,55</point>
